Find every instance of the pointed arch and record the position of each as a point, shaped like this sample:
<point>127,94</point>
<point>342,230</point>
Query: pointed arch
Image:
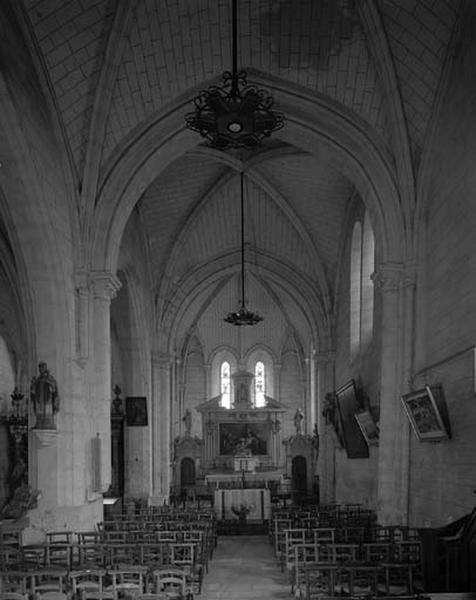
<point>314,123</point>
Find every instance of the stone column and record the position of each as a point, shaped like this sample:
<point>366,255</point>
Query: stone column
<point>276,438</point>
<point>161,428</point>
<point>105,286</point>
<point>325,366</point>
<point>393,463</point>
<point>82,315</point>
<point>312,391</point>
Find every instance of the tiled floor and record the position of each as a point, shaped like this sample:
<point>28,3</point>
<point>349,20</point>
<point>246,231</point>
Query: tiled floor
<point>244,568</point>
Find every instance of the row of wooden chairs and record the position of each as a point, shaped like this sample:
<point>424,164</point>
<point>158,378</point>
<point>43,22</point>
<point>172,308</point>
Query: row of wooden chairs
<point>192,556</point>
<point>98,584</point>
<point>337,550</point>
<point>393,569</point>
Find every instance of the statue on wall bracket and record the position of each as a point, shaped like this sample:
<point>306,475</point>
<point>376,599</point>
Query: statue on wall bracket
<point>44,397</point>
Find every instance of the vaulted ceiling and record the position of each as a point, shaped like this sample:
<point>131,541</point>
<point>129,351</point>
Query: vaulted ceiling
<point>111,65</point>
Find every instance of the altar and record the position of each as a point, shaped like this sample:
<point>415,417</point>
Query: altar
<point>244,438</point>
<point>245,463</point>
<point>264,479</point>
<point>257,500</point>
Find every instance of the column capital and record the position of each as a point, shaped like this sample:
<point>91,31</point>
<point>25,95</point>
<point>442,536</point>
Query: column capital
<point>388,276</point>
<point>324,357</point>
<point>105,284</point>
<point>409,275</point>
<point>161,359</point>
<point>82,279</point>
<point>392,276</point>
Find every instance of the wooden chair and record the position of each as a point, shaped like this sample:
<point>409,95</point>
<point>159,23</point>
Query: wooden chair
<point>127,579</point>
<point>320,581</point>
<point>11,557</point>
<point>121,554</point>
<point>33,556</point>
<point>341,553</point>
<point>86,580</point>
<point>183,556</point>
<point>361,580</point>
<point>377,552</point>
<point>398,579</point>
<point>291,538</point>
<point>323,535</point>
<point>14,581</point>
<point>305,556</point>
<point>171,581</point>
<point>47,580</point>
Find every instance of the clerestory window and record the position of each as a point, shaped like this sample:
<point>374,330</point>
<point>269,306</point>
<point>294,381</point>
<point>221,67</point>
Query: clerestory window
<point>225,384</point>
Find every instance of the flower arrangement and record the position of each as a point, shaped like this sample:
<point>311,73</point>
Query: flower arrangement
<point>242,511</point>
<point>24,499</point>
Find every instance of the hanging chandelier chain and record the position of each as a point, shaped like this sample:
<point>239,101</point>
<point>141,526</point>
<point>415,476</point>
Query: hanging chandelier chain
<point>243,316</point>
<point>235,43</point>
<point>242,204</point>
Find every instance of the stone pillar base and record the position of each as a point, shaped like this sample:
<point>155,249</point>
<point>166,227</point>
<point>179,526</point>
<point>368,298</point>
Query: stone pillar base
<point>158,500</point>
<point>46,437</point>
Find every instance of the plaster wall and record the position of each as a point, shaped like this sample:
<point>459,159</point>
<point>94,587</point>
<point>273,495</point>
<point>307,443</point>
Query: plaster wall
<point>355,480</point>
<point>41,223</point>
<point>442,475</point>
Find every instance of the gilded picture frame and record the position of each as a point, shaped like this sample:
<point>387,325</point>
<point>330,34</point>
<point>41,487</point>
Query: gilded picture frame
<point>426,412</point>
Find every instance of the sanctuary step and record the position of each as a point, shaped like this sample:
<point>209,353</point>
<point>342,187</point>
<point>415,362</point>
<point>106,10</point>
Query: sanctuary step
<point>233,527</point>
<point>244,568</point>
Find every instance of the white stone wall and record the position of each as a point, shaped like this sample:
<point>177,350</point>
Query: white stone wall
<point>442,475</point>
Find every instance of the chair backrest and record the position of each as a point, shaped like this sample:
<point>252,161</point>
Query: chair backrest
<point>48,580</point>
<point>170,580</point>
<point>128,577</point>
<point>182,554</point>
<point>13,596</point>
<point>51,595</point>
<point>97,595</point>
<point>156,596</point>
<point>60,537</point>
<point>14,581</point>
<point>87,579</point>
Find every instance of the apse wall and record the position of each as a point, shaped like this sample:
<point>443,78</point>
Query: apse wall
<point>442,479</point>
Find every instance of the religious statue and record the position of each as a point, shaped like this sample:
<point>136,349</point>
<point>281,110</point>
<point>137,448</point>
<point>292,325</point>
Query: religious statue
<point>45,399</point>
<point>298,418</point>
<point>187,420</point>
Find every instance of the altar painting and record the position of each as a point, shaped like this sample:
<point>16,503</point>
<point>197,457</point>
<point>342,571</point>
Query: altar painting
<point>243,438</point>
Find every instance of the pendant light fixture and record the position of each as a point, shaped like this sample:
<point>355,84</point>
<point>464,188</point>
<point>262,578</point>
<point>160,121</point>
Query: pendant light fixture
<point>243,316</point>
<point>235,115</point>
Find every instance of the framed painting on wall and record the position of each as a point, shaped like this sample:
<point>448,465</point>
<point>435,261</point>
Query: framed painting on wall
<point>426,410</point>
<point>368,427</point>
<point>236,438</point>
<point>136,411</point>
<point>347,406</point>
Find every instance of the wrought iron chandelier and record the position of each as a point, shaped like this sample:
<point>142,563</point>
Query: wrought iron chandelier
<point>235,115</point>
<point>243,316</point>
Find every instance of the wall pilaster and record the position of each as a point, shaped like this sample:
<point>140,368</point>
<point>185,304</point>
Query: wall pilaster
<point>396,283</point>
<point>105,286</point>
<point>325,368</point>
<point>161,427</point>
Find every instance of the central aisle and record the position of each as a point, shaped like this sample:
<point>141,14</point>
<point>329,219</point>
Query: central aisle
<point>244,568</point>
